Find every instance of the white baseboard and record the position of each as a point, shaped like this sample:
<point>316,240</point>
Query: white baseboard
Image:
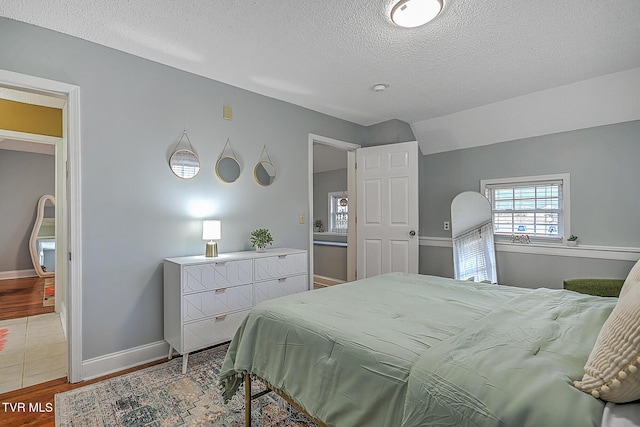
<point>17,274</point>
<point>121,360</point>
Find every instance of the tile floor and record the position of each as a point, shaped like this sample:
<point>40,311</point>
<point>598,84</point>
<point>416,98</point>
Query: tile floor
<point>35,351</point>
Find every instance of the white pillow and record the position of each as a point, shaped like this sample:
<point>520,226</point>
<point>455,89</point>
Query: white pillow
<point>612,372</point>
<point>633,278</point>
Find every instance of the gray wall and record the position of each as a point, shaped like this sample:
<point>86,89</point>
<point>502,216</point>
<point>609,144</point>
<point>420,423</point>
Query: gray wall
<point>330,261</point>
<point>529,270</point>
<point>135,211</point>
<point>24,178</point>
<point>388,132</point>
<point>603,163</point>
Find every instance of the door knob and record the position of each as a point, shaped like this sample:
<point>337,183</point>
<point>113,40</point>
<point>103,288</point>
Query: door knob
<point>412,233</point>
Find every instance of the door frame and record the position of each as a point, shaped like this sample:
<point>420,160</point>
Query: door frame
<point>70,174</point>
<point>351,179</point>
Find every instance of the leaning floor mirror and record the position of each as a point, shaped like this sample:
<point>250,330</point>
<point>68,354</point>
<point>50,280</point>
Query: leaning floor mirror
<point>474,256</point>
<point>42,243</point>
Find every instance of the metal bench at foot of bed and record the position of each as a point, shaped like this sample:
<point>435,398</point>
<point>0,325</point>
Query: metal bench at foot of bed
<point>248,397</point>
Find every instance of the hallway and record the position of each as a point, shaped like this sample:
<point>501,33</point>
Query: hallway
<point>32,350</point>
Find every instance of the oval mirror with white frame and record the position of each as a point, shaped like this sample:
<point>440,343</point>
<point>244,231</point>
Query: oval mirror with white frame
<point>42,243</point>
<point>184,163</point>
<point>264,173</point>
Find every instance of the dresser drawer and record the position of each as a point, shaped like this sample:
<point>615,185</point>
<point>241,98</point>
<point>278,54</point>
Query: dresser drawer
<point>215,275</point>
<point>280,287</point>
<point>211,331</point>
<point>278,266</point>
<point>209,303</point>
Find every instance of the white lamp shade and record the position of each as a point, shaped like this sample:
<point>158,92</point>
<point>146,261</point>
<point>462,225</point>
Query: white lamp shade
<point>211,230</point>
<point>413,13</point>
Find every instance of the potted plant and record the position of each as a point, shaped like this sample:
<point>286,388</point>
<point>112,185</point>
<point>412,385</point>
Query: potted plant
<point>260,238</point>
<point>317,226</point>
<point>572,240</point>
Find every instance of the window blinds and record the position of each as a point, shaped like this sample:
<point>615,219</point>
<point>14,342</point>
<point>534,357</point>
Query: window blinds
<point>474,255</point>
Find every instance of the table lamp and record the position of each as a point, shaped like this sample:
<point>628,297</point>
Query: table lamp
<point>211,232</point>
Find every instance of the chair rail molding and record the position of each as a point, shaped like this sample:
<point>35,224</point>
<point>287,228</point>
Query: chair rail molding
<point>582,251</point>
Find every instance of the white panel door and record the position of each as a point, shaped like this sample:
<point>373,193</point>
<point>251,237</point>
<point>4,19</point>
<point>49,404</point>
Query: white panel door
<point>387,222</point>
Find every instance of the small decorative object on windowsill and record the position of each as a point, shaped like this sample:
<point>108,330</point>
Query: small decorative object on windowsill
<point>318,227</point>
<point>260,238</point>
<point>521,238</point>
<point>572,240</point>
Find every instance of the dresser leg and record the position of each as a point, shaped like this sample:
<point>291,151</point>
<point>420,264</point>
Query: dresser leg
<point>170,353</point>
<point>185,360</point>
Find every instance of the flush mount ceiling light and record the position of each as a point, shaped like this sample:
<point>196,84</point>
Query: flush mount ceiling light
<point>380,87</point>
<point>413,13</point>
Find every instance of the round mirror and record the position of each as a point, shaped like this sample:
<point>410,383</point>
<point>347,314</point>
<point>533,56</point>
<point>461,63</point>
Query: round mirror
<point>184,163</point>
<point>264,173</point>
<point>227,169</point>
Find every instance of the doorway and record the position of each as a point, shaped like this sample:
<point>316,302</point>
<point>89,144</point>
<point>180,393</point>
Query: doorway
<point>67,189</point>
<point>34,345</point>
<point>332,211</point>
<point>385,189</point>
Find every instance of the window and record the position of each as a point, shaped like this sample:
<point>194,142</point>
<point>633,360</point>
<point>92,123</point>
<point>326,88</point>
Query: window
<point>536,206</point>
<point>338,212</point>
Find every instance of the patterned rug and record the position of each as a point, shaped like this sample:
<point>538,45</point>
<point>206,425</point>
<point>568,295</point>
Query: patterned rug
<point>49,298</point>
<point>161,396</point>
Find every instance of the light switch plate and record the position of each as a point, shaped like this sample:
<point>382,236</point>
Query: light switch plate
<point>227,113</point>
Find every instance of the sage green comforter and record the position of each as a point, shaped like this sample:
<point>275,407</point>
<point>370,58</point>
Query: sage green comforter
<point>415,350</point>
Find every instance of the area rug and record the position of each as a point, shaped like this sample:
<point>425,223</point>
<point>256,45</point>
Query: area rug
<point>161,396</point>
<point>4,332</point>
<point>49,298</point>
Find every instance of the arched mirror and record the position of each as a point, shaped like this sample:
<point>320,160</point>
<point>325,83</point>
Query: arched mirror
<point>264,172</point>
<point>474,256</point>
<point>228,167</point>
<point>42,243</point>
<point>184,162</point>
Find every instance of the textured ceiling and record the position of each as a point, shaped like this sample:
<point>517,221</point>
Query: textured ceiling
<point>326,55</point>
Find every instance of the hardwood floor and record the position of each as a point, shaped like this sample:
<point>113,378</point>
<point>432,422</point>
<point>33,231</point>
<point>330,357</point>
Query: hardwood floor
<point>22,298</point>
<point>34,406</point>
<point>323,281</point>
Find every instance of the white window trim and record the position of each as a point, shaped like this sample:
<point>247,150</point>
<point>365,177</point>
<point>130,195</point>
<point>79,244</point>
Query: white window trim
<point>330,225</point>
<point>566,195</point>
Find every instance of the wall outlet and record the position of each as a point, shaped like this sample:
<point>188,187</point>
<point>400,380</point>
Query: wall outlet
<point>301,218</point>
<point>447,225</point>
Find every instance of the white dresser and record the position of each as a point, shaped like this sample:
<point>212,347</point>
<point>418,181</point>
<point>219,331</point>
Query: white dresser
<point>206,299</point>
